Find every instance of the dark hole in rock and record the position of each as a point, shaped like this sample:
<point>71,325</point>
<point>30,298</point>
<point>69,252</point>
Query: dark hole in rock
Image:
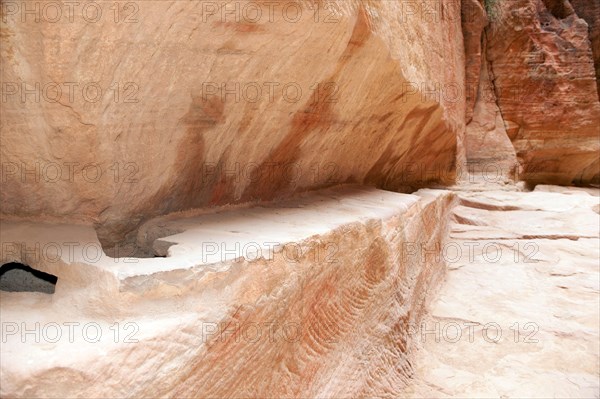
<point>17,277</point>
<point>560,9</point>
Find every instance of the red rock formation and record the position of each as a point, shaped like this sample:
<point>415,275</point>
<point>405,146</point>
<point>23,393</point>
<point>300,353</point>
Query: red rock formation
<point>590,12</point>
<point>121,111</point>
<point>544,80</point>
<point>474,21</point>
<point>490,156</point>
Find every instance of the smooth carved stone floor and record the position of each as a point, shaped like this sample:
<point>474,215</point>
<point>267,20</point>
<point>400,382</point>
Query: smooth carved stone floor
<point>541,289</point>
<point>324,311</point>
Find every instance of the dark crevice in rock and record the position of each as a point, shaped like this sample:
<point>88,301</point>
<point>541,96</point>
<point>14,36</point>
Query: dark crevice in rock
<point>17,277</point>
<point>490,67</point>
<point>560,9</point>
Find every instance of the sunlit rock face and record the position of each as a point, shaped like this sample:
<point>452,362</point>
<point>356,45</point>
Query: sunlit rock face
<point>542,67</point>
<point>323,310</point>
<point>181,105</point>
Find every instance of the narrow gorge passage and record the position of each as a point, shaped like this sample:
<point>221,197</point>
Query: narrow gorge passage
<point>299,199</point>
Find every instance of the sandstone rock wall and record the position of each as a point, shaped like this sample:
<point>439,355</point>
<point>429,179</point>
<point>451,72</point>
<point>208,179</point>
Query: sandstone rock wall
<point>155,107</point>
<point>116,112</point>
<point>542,69</point>
<point>532,107</point>
<point>590,12</point>
<point>113,115</point>
<point>488,150</point>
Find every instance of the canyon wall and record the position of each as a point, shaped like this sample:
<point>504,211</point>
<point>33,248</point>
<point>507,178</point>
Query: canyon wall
<point>488,150</point>
<point>113,115</point>
<point>162,124</point>
<point>536,88</point>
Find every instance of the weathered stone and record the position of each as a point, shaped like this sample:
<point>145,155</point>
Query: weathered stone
<point>590,12</point>
<point>326,313</point>
<point>165,134</point>
<point>474,20</point>
<point>544,80</point>
<point>517,314</point>
<point>489,154</point>
<point>161,159</point>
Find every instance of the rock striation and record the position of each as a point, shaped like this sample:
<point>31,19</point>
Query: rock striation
<point>249,198</point>
<point>532,108</point>
<point>541,65</point>
<point>316,300</point>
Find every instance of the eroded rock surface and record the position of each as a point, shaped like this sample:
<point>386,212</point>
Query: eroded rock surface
<point>518,313</point>
<point>140,131</point>
<point>542,67</point>
<point>590,12</point>
<point>532,109</point>
<point>487,148</point>
<point>182,105</point>
<point>324,312</point>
